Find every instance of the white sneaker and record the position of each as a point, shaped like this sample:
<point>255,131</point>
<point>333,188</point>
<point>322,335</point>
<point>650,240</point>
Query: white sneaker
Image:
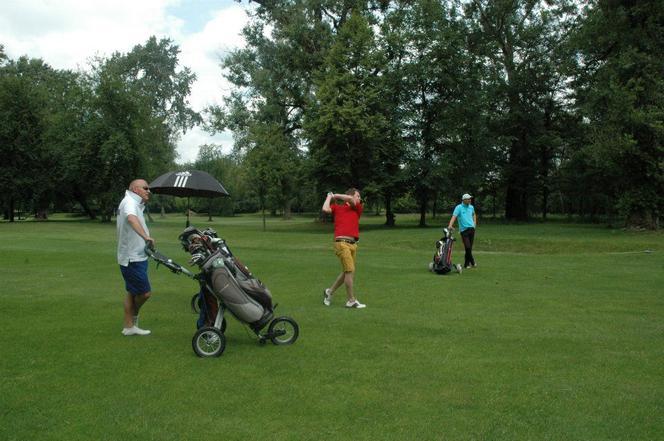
<point>355,304</point>
<point>134,330</point>
<point>327,297</point>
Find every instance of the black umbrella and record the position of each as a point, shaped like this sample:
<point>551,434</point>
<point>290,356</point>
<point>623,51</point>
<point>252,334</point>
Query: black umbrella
<point>194,183</point>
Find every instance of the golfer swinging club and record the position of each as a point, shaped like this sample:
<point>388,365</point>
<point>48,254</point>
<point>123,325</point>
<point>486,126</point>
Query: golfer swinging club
<point>346,235</point>
<point>133,234</point>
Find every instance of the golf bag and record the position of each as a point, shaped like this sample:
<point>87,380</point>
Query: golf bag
<point>442,258</point>
<point>227,281</point>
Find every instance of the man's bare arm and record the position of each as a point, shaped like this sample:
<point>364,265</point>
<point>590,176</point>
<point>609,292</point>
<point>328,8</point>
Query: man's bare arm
<point>138,228</point>
<point>326,204</point>
<point>451,224</point>
<point>345,198</point>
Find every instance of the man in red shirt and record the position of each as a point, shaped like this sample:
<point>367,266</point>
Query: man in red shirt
<point>346,235</point>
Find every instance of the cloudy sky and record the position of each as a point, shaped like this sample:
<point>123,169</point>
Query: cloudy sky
<point>67,33</point>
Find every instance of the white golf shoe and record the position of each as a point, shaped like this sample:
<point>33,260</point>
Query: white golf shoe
<point>135,330</point>
<point>327,297</point>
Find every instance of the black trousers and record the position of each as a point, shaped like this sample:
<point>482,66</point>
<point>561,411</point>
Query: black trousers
<point>468,237</point>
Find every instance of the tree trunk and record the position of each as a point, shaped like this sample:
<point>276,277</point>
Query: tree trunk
<point>562,202</point>
<point>519,177</point>
<point>516,202</point>
<point>262,201</point>
<point>545,201</point>
<point>546,158</point>
<point>389,214</point>
<point>11,209</point>
<point>643,219</point>
<point>495,200</point>
<point>433,208</point>
<point>80,198</point>
<point>288,214</point>
<point>264,227</point>
<point>423,212</point>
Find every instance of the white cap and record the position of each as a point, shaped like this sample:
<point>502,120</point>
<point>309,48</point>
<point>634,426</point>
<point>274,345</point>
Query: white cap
<point>466,196</point>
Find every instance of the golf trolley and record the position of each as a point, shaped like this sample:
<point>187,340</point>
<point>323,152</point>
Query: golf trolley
<point>442,258</point>
<point>226,284</point>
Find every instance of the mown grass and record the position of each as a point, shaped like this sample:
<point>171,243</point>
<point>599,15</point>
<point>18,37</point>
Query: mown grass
<point>558,334</point>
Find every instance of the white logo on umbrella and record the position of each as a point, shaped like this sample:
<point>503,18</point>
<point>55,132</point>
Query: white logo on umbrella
<point>181,179</point>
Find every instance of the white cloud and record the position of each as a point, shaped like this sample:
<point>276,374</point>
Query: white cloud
<point>196,137</point>
<point>68,33</point>
<point>202,52</point>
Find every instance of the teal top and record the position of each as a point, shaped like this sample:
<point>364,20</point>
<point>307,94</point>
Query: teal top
<point>464,214</point>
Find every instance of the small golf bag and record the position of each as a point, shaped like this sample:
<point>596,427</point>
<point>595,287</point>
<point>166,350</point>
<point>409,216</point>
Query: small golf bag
<point>442,258</point>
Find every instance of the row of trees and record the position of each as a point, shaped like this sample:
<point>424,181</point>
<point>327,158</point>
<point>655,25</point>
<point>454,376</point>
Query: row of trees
<point>78,138</point>
<point>534,106</point>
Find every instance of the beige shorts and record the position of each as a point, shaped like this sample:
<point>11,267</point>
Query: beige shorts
<point>346,253</point>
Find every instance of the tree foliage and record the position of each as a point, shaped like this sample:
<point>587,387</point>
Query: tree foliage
<point>620,91</point>
<point>72,136</point>
<point>533,106</point>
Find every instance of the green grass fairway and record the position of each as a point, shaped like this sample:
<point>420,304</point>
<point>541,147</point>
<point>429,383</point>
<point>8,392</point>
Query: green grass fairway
<point>557,335</point>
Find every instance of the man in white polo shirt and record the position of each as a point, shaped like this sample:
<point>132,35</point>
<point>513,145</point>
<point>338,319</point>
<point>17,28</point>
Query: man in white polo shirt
<point>133,234</point>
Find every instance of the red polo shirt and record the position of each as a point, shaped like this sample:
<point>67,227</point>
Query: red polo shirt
<point>347,220</point>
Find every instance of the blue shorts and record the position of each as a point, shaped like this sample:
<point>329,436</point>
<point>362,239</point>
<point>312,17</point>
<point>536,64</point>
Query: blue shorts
<point>136,277</point>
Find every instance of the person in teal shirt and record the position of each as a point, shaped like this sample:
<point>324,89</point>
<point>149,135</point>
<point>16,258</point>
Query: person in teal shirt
<point>465,214</point>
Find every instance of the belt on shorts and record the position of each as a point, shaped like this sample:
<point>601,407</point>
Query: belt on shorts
<point>342,239</point>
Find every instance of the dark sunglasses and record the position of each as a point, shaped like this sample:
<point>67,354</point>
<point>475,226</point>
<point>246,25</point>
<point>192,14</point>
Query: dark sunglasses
<point>146,188</point>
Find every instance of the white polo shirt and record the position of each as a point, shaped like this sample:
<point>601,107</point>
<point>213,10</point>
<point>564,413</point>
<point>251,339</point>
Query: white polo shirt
<point>131,246</point>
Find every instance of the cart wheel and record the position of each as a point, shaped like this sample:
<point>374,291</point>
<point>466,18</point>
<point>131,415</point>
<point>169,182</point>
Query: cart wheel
<point>208,342</point>
<point>283,331</point>
<point>194,303</point>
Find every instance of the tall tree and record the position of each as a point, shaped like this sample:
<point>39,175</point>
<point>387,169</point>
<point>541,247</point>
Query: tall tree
<point>153,73</point>
<point>621,95</point>
<point>128,113</point>
<point>226,169</point>
<point>280,77</point>
<point>25,163</point>
<point>265,110</point>
<point>520,40</point>
<point>434,71</point>
<point>347,122</point>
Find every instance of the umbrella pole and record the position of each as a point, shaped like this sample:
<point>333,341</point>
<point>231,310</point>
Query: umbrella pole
<point>187,211</point>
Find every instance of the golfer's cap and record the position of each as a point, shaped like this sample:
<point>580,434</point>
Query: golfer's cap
<point>465,196</point>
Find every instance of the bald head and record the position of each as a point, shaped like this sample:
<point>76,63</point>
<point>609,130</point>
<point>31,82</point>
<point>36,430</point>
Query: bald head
<point>141,188</point>
<point>137,183</point>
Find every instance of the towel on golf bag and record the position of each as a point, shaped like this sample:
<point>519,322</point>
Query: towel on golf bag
<point>208,309</point>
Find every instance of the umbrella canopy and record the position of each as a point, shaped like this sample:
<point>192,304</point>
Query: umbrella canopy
<point>194,183</point>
